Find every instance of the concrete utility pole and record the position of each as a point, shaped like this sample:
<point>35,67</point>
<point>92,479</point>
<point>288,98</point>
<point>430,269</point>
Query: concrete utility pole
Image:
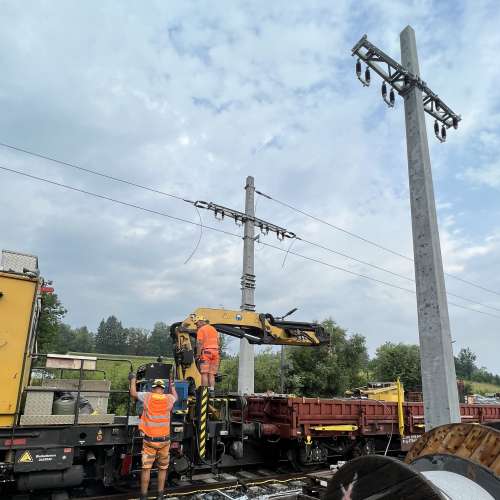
<point>439,381</point>
<point>246,359</point>
<point>438,369</point>
<point>250,222</point>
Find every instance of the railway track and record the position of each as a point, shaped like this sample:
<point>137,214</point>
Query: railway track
<point>260,484</point>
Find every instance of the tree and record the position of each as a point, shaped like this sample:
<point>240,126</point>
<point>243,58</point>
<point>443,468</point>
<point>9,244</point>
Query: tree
<point>465,364</point>
<point>327,370</point>
<point>83,340</point>
<point>267,371</point>
<point>137,341</point>
<point>223,345</point>
<point>229,370</point>
<point>160,341</point>
<point>111,337</point>
<point>398,360</point>
<point>76,340</point>
<point>49,322</point>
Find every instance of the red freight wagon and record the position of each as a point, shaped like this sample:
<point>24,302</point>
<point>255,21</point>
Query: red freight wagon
<point>324,427</point>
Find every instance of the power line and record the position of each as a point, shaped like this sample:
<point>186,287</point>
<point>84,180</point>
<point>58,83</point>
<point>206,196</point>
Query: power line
<point>120,202</point>
<point>374,266</point>
<point>366,240</point>
<point>94,172</point>
<point>180,198</point>
<point>392,285</point>
<point>227,233</point>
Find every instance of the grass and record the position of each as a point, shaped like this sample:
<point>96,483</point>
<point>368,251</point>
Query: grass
<point>484,388</point>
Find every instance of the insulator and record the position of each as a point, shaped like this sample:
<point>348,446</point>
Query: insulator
<point>443,133</point>
<point>437,106</point>
<point>392,98</point>
<point>358,68</point>
<point>367,76</point>
<point>407,80</point>
<point>455,122</point>
<point>436,127</point>
<point>280,235</point>
<point>384,90</point>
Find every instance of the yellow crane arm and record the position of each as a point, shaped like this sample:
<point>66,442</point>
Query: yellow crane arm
<point>259,328</point>
<point>255,327</point>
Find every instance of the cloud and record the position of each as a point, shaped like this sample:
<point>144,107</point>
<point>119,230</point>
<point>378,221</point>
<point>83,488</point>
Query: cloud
<point>488,175</point>
<point>190,99</point>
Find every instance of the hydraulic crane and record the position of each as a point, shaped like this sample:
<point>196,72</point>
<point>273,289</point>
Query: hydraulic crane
<point>257,328</point>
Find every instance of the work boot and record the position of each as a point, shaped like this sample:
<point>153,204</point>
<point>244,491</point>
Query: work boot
<point>143,497</point>
<point>161,496</point>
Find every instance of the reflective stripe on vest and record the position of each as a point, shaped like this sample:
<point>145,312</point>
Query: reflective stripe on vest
<point>155,419</point>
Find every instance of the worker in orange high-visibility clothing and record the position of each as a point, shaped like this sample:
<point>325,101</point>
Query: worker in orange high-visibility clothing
<point>155,426</point>
<point>208,351</point>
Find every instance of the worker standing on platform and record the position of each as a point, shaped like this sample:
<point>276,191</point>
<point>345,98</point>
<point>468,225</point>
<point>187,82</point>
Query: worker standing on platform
<point>208,351</point>
<point>155,425</point>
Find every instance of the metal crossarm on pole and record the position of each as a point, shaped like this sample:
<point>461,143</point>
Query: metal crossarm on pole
<point>240,218</point>
<point>402,81</point>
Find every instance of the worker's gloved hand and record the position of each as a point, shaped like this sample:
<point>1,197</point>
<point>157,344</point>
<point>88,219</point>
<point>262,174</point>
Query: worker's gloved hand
<point>131,376</point>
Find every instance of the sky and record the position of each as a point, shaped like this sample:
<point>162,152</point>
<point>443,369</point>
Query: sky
<point>190,98</point>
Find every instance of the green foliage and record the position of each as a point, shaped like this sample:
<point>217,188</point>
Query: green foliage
<point>137,341</point>
<point>466,368</point>
<point>327,371</point>
<point>111,337</point>
<point>69,339</point>
<point>267,372</point>
<point>229,370</point>
<point>223,345</point>
<point>310,371</point>
<point>465,363</point>
<point>49,322</point>
<point>398,360</point>
<point>484,388</point>
<point>160,342</point>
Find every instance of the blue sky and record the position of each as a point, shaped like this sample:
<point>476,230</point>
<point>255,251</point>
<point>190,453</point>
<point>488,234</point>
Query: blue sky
<point>191,97</point>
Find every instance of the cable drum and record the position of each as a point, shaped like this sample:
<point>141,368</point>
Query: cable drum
<point>450,462</point>
<point>456,486</point>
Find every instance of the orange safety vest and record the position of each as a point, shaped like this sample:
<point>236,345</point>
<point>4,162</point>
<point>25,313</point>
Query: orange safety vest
<point>208,336</point>
<point>155,418</point>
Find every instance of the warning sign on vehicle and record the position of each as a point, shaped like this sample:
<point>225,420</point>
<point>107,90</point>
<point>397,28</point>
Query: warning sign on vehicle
<point>43,459</point>
<point>25,458</point>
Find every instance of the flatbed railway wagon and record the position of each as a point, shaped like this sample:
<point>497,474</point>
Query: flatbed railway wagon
<point>314,430</point>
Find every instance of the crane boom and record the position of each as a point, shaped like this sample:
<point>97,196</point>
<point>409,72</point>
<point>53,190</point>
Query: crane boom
<point>257,328</point>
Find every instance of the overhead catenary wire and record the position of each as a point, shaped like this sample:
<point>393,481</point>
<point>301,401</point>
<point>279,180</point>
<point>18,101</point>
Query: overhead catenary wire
<point>366,240</point>
<point>180,198</point>
<point>94,172</point>
<point>228,233</point>
<point>398,275</point>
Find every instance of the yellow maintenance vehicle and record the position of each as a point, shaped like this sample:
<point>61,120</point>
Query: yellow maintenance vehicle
<point>20,304</point>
